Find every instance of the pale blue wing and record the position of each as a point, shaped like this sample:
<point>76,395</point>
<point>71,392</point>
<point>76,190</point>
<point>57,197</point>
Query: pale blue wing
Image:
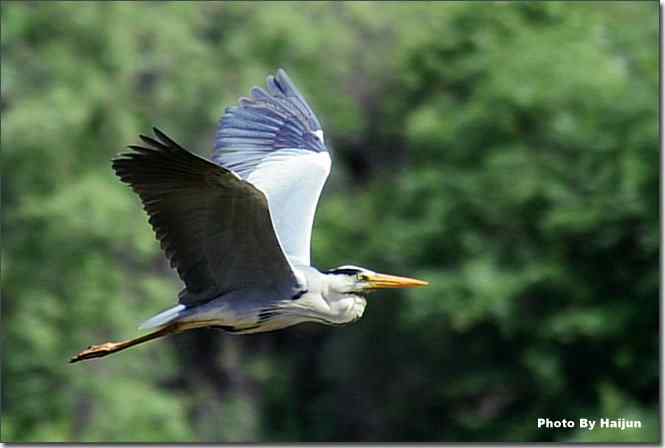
<point>269,120</point>
<point>274,141</point>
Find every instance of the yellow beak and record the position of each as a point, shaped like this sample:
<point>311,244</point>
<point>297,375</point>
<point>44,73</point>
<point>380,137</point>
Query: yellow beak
<point>376,281</point>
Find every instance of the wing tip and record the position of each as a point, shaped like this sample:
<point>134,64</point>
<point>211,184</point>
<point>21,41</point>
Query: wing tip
<point>160,135</point>
<point>282,73</point>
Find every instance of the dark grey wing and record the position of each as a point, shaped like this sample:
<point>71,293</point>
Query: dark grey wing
<point>213,227</point>
<point>267,121</point>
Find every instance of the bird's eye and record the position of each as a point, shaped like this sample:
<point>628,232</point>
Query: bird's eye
<point>361,277</point>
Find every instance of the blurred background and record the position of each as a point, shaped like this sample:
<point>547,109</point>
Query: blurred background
<point>506,152</point>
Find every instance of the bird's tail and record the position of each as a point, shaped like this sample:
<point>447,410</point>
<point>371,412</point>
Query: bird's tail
<point>163,318</point>
<point>97,351</point>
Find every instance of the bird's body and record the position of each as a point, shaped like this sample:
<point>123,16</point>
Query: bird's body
<point>257,310</point>
<point>237,228</point>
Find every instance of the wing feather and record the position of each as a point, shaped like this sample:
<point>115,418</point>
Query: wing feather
<point>274,140</point>
<point>214,227</point>
<point>271,119</point>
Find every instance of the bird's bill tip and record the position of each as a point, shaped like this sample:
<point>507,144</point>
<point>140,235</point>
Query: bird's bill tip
<point>377,281</point>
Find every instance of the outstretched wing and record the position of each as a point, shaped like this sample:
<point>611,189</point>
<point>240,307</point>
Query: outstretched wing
<point>214,227</point>
<point>274,140</point>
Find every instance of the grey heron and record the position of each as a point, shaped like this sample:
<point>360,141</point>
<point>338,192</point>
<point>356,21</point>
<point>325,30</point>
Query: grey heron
<point>237,228</point>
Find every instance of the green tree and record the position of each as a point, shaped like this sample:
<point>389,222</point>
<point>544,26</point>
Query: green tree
<point>507,152</point>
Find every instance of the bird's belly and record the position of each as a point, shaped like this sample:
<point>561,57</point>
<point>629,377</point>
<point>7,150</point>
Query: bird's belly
<point>246,313</point>
<point>222,312</point>
<point>238,314</point>
<point>269,325</point>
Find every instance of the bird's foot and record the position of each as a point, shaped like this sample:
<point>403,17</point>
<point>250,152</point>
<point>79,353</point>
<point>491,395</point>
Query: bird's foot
<point>95,351</point>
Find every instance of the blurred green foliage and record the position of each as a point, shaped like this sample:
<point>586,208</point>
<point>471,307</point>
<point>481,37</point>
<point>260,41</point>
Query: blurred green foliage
<point>507,152</point>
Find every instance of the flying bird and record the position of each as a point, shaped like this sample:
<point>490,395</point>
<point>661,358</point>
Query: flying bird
<point>237,227</point>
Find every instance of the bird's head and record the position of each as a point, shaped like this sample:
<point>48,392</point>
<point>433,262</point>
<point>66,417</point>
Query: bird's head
<point>356,280</point>
<point>343,290</point>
